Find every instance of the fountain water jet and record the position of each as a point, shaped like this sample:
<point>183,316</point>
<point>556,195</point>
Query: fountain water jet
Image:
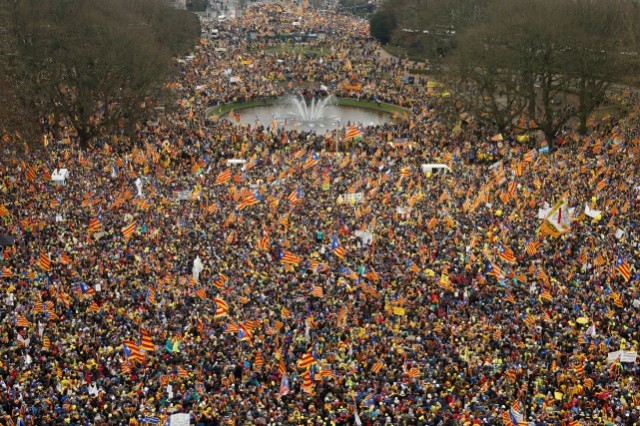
<point>313,112</point>
<point>318,115</point>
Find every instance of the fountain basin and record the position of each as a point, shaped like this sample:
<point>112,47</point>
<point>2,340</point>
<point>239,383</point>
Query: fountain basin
<point>285,113</point>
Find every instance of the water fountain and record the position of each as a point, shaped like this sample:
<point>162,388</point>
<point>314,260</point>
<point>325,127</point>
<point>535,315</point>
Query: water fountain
<point>313,112</point>
<point>314,115</point>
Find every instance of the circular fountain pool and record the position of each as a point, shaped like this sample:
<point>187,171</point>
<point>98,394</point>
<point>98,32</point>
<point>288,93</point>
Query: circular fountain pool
<point>319,115</point>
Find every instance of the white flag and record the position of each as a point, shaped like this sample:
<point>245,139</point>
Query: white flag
<point>139,187</point>
<point>197,268</point>
<point>592,213</point>
<point>356,416</point>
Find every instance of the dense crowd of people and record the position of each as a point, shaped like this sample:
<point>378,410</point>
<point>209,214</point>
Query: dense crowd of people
<point>306,285</point>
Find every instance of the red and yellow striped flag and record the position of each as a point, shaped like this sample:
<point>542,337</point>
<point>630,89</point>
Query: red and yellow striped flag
<point>414,373</point>
<point>182,372</point>
<point>146,342</point>
<point>258,362</point>
<point>223,177</point>
<point>21,321</point>
<point>95,225</point>
<point>44,261</point>
<point>285,313</point>
<point>30,173</point>
<point>128,230</point>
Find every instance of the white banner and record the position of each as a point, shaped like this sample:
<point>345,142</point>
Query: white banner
<point>629,356</point>
<point>560,216</point>
<point>180,419</point>
<point>366,237</point>
<point>623,356</point>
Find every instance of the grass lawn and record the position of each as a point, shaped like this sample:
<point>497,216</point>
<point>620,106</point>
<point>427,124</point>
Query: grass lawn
<point>401,52</point>
<point>221,110</point>
<point>389,108</point>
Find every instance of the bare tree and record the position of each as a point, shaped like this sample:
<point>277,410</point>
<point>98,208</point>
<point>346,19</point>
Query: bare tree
<point>530,56</point>
<point>98,65</point>
<point>484,78</point>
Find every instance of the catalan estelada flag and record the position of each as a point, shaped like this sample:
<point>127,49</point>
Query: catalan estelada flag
<point>353,133</point>
<point>532,247</point>
<point>623,268</point>
<point>248,201</point>
<point>337,248</point>
<point>93,307</point>
<point>131,350</point>
<point>244,334</point>
<point>506,254</point>
<point>288,257</point>
<point>311,161</point>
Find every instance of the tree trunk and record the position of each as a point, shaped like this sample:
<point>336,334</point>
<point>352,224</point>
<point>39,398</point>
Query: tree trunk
<point>532,100</point>
<point>582,108</point>
<point>582,128</point>
<point>84,137</point>
<point>550,136</point>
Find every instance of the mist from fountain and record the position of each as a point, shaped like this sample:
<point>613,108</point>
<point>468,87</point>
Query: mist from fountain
<point>313,111</point>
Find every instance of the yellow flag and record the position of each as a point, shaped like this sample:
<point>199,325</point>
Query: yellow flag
<point>398,310</point>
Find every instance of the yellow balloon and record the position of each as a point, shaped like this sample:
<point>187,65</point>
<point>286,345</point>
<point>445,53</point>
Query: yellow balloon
<point>498,213</point>
<point>428,174</point>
